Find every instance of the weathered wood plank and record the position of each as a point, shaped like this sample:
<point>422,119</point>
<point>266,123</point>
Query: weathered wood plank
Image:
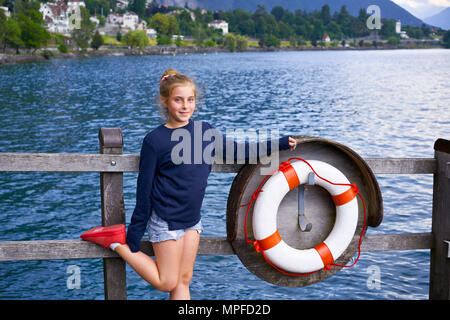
<point>68,162</point>
<point>400,241</point>
<point>402,165</point>
<point>51,249</point>
<point>78,249</point>
<point>76,162</point>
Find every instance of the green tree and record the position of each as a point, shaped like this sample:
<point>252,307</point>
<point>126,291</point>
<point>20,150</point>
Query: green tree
<point>284,30</point>
<point>246,27</point>
<point>138,7</point>
<point>271,41</point>
<point>277,12</point>
<point>271,24</point>
<point>82,34</point>
<point>96,7</point>
<point>33,33</point>
<point>344,19</point>
<point>241,22</point>
<point>179,42</point>
<point>446,39</point>
<point>10,34</point>
<point>241,43</point>
<point>63,48</point>
<point>185,23</point>
<point>173,25</point>
<point>363,16</point>
<point>414,32</point>
<point>230,42</point>
<point>97,41</point>
<point>199,36</point>
<point>160,23</point>
<point>294,40</point>
<point>393,41</point>
<point>325,14</point>
<point>24,6</point>
<point>136,38</point>
<point>318,29</point>
<point>426,30</point>
<point>388,28</point>
<point>334,30</point>
<point>209,43</point>
<point>101,20</point>
<point>163,39</point>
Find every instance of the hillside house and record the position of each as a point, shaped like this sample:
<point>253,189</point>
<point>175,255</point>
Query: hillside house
<point>130,20</point>
<point>219,24</point>
<point>6,11</point>
<point>114,18</point>
<point>57,15</point>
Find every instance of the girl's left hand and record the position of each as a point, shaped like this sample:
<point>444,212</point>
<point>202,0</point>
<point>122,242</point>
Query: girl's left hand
<point>292,143</point>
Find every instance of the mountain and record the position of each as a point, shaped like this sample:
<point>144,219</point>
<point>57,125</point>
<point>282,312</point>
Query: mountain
<point>424,10</point>
<point>441,20</point>
<point>388,8</point>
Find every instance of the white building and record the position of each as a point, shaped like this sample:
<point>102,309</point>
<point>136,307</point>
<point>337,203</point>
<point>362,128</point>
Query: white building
<point>76,3</point>
<point>73,7</point>
<point>115,19</point>
<point>326,38</point>
<point>142,25</point>
<point>398,29</point>
<point>57,15</point>
<point>151,33</point>
<point>94,20</point>
<point>122,4</point>
<point>6,11</point>
<point>219,24</point>
<point>130,20</point>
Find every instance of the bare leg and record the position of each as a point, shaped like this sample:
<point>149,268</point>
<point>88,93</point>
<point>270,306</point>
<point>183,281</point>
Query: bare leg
<point>162,274</point>
<point>190,248</point>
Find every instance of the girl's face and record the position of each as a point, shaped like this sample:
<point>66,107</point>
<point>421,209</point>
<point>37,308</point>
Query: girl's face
<point>180,106</point>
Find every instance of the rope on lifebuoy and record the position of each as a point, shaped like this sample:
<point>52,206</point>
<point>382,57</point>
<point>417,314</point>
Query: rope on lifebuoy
<point>275,238</point>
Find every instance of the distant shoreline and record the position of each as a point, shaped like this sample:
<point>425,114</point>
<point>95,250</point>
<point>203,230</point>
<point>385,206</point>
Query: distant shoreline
<point>51,53</point>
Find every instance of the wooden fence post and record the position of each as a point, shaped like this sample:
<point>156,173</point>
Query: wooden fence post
<point>113,212</point>
<point>440,260</point>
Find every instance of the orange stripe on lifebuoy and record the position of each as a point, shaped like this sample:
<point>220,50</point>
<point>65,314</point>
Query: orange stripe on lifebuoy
<point>290,175</point>
<point>324,253</point>
<point>344,197</point>
<point>270,242</point>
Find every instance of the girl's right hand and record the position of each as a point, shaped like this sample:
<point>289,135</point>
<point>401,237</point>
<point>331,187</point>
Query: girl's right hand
<point>292,143</point>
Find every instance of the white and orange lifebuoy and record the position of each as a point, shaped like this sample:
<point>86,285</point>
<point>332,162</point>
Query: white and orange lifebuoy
<point>265,211</point>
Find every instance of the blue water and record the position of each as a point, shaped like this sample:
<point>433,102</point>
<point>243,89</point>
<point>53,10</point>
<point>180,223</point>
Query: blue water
<point>379,103</point>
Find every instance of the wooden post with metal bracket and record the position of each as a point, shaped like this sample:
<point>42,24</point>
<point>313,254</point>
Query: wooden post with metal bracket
<point>113,212</point>
<point>440,259</point>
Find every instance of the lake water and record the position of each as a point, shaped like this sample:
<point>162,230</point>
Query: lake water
<point>385,103</point>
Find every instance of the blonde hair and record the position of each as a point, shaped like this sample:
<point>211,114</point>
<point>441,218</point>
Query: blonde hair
<point>168,82</point>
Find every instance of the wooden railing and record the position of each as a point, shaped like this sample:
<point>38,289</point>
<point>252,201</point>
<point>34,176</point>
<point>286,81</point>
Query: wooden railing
<point>111,164</point>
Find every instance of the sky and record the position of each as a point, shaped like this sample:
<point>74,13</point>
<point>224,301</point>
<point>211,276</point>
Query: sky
<point>423,8</point>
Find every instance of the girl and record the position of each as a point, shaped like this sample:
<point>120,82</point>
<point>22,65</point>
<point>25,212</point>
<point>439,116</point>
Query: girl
<point>169,193</point>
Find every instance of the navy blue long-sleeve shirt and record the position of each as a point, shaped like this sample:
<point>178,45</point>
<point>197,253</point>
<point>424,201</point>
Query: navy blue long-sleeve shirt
<point>173,170</point>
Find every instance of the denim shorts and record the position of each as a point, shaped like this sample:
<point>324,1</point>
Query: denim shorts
<point>158,229</point>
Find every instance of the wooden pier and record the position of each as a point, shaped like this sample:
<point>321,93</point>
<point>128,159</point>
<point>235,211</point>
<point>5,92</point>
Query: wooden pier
<point>111,163</point>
